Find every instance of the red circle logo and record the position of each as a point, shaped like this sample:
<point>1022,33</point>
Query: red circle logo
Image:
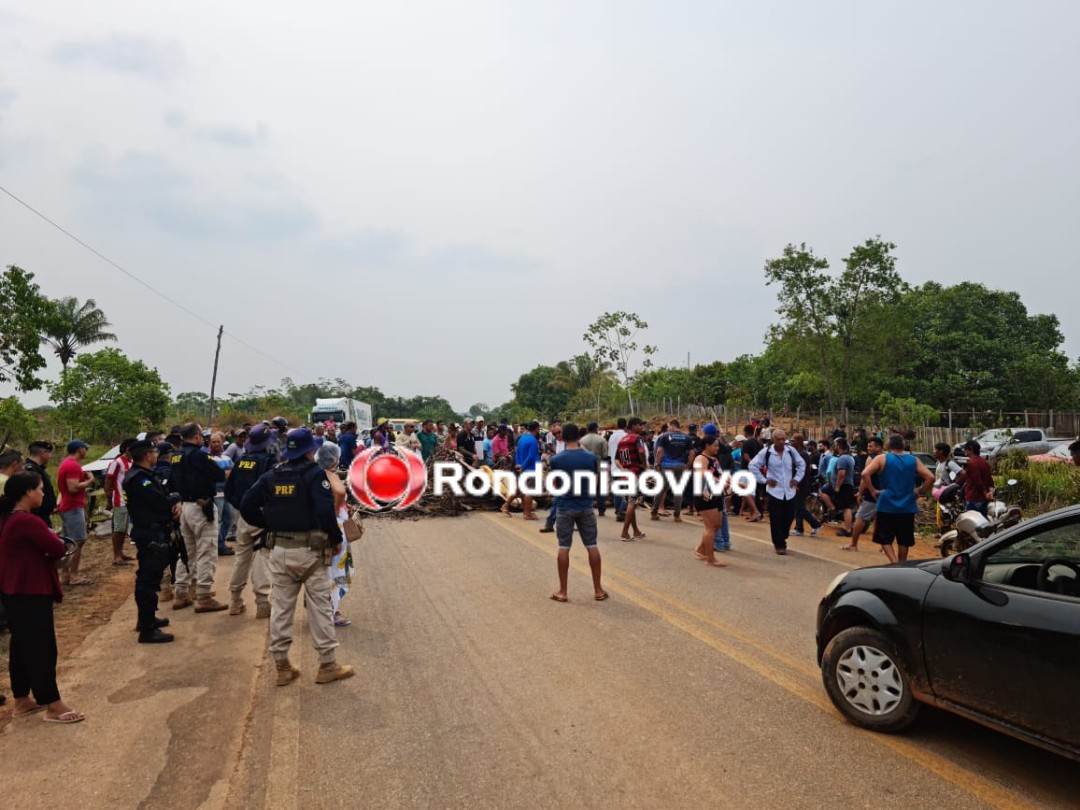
<point>385,479</point>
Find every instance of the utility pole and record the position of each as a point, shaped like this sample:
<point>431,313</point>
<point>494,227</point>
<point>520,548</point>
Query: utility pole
<point>213,380</point>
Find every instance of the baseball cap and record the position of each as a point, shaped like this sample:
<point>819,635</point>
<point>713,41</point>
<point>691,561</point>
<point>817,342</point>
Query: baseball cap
<point>709,429</point>
<point>740,438</point>
<point>75,444</point>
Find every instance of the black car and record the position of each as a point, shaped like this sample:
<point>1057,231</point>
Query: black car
<point>992,634</point>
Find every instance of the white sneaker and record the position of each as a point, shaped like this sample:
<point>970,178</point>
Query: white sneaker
<point>813,532</point>
<point>794,533</point>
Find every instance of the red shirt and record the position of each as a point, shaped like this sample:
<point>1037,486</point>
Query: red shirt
<point>631,453</point>
<point>977,479</point>
<point>70,469</point>
<point>28,553</point>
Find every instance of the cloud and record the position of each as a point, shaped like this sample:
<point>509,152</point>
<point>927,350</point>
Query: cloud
<point>141,186</point>
<point>226,135</point>
<point>237,138</point>
<point>138,56</point>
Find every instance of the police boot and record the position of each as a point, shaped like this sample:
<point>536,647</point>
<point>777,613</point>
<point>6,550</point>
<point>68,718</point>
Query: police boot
<point>154,636</point>
<point>208,604</point>
<point>182,600</point>
<point>262,610</point>
<point>236,605</point>
<point>333,672</point>
<point>286,672</point>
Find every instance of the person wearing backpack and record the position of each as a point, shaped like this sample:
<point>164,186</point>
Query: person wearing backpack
<point>780,470</point>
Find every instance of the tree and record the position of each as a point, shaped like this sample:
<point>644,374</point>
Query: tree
<point>613,340</point>
<point>111,396</point>
<point>16,423</point>
<point>192,403</point>
<point>905,413</point>
<point>75,325</point>
<point>27,313</point>
<point>833,312</point>
<point>478,409</point>
<point>537,393</point>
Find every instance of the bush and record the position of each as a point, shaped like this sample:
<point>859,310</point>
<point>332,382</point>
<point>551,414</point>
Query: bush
<point>1044,487</point>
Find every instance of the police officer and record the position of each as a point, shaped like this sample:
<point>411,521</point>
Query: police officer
<point>249,468</point>
<point>195,477</point>
<point>294,503</point>
<point>152,510</point>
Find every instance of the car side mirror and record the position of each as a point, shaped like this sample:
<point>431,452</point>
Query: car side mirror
<point>958,568</point>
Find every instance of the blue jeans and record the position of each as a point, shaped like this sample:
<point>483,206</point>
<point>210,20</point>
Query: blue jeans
<point>551,518</point>
<point>620,504</point>
<point>722,541</point>
<point>982,507</point>
<point>225,519</point>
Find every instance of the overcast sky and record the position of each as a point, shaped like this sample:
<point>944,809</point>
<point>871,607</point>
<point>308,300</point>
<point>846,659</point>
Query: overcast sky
<point>433,198</point>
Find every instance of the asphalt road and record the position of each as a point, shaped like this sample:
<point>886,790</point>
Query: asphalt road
<point>689,687</point>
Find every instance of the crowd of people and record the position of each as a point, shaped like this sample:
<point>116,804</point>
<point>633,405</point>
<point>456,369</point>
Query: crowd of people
<point>274,498</point>
<point>182,497</point>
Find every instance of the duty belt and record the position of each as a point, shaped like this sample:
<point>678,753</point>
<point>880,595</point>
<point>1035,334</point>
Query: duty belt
<point>297,539</point>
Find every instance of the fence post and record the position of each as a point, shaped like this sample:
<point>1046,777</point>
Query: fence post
<point>1050,425</point>
<point>950,418</point>
<point>1025,418</point>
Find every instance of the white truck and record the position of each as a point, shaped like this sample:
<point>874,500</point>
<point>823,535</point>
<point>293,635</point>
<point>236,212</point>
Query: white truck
<point>341,410</point>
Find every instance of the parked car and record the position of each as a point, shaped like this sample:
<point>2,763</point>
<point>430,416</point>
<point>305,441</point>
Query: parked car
<point>994,443</point>
<point>100,466</point>
<point>992,634</point>
<point>1057,454</point>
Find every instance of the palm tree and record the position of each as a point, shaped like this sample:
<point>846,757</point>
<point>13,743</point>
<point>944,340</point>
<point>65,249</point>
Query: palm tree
<point>74,326</point>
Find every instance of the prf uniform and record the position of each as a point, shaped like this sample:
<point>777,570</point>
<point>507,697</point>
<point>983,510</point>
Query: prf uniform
<point>195,477</point>
<point>249,468</point>
<point>293,502</point>
<point>150,509</point>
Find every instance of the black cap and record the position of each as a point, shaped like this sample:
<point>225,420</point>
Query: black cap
<point>142,446</point>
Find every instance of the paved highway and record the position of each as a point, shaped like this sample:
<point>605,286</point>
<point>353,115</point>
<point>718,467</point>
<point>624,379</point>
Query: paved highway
<point>689,687</point>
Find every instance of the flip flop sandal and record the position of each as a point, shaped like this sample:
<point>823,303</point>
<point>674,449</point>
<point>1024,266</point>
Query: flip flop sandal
<point>342,623</point>
<point>34,710</point>
<point>81,581</point>
<point>560,599</point>
<point>66,718</point>
<point>601,597</point>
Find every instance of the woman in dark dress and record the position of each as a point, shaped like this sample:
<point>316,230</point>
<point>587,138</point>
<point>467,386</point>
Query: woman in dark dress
<point>29,588</point>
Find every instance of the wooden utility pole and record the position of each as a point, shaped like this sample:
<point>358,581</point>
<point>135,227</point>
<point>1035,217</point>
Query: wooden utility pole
<point>213,380</point>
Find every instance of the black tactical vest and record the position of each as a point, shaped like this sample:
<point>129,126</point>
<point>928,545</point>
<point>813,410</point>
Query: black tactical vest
<point>288,507</point>
<point>248,469</point>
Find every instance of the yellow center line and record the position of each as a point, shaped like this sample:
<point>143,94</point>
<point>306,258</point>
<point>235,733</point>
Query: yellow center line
<point>627,586</point>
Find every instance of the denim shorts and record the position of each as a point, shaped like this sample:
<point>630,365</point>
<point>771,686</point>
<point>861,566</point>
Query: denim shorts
<point>867,510</point>
<point>74,523</point>
<point>585,520</point>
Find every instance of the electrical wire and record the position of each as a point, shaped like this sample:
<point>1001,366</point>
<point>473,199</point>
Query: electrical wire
<point>138,280</point>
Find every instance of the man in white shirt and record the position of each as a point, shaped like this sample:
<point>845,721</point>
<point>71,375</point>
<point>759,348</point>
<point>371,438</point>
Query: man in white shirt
<point>617,436</point>
<point>780,469</point>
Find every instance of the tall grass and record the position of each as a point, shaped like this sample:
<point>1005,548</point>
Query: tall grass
<point>1040,487</point>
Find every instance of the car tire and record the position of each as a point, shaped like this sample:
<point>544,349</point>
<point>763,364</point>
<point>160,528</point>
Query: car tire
<point>867,681</point>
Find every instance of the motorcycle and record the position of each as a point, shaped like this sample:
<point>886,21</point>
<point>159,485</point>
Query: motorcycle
<point>971,527</point>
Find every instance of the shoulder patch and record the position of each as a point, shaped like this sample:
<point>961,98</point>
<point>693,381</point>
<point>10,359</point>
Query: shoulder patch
<point>146,482</point>
<point>326,484</point>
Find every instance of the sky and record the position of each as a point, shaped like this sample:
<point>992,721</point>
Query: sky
<point>433,198</point>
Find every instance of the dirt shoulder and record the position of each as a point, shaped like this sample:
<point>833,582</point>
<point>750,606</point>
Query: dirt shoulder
<point>84,609</point>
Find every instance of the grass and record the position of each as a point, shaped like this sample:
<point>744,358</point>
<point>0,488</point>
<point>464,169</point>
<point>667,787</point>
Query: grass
<point>1040,487</point>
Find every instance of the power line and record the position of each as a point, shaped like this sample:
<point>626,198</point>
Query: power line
<point>135,278</point>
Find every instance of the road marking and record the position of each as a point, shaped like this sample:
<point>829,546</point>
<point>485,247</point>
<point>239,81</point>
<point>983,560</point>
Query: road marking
<point>974,783</point>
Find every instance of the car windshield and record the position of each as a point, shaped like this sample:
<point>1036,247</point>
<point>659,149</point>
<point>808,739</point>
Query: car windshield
<point>326,416</point>
<point>992,436</point>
